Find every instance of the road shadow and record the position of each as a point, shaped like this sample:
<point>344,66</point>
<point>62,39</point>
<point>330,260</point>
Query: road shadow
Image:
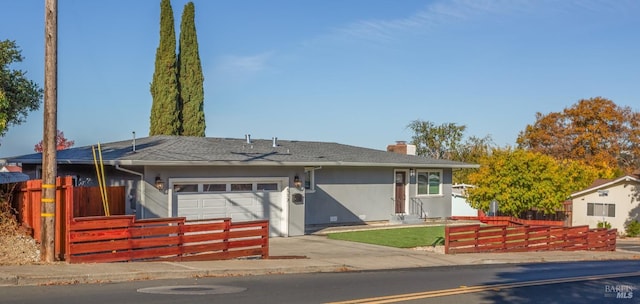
<point>591,291</point>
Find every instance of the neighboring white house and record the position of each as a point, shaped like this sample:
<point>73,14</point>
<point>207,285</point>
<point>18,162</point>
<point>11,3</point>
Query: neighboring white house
<point>615,201</point>
<point>459,204</point>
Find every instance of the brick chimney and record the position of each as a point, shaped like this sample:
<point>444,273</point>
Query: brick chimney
<point>401,147</point>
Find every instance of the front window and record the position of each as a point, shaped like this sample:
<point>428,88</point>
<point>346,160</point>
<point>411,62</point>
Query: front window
<point>429,182</point>
<point>598,209</point>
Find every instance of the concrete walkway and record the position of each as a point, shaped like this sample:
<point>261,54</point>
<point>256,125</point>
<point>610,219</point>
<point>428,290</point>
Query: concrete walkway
<point>303,254</point>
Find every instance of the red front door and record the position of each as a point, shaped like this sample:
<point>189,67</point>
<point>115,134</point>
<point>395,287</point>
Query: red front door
<point>401,178</point>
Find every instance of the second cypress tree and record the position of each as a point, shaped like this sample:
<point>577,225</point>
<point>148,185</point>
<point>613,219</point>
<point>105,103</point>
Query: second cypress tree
<point>190,78</point>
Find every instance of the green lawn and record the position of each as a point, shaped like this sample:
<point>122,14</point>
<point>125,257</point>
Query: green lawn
<point>396,237</point>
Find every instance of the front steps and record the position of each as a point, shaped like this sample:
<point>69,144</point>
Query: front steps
<point>405,219</point>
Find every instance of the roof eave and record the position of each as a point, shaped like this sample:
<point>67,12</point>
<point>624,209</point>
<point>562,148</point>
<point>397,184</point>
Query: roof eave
<point>257,163</point>
<point>290,164</point>
<point>606,185</point>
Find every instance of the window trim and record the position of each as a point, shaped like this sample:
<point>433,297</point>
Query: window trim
<point>440,185</point>
<point>605,206</point>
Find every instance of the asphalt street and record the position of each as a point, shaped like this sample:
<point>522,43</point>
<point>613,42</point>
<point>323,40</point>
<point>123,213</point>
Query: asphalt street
<point>521,283</point>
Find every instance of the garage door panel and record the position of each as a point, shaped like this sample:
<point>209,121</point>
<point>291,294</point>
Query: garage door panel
<point>190,203</point>
<point>239,206</point>
<point>242,202</point>
<point>214,203</point>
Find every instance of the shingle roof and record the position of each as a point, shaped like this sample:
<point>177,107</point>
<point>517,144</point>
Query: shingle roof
<point>183,150</point>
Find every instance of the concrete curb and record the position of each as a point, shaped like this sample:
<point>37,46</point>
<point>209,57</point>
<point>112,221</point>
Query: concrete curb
<point>8,279</point>
<point>115,277</point>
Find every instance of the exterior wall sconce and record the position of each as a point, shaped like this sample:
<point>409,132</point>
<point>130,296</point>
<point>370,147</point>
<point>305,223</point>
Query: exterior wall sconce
<point>159,183</point>
<point>412,172</point>
<point>297,183</point>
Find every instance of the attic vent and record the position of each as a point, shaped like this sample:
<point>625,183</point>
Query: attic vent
<point>274,142</point>
<point>247,137</point>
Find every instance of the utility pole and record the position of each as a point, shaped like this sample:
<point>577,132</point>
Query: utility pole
<point>48,204</point>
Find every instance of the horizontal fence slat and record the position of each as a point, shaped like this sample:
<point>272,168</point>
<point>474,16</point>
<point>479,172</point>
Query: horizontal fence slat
<point>204,237</point>
<point>246,243</point>
<point>250,224</point>
<point>155,242</point>
<point>465,228</point>
<point>159,221</point>
<point>98,235</point>
<point>94,247</point>
<point>208,247</point>
<point>246,233</point>
<point>89,223</point>
<point>154,231</point>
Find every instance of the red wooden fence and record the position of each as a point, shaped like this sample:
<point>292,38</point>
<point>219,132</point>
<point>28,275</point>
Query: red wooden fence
<point>123,238</point>
<point>28,203</point>
<point>84,201</point>
<point>476,238</point>
<point>509,221</point>
<point>79,238</point>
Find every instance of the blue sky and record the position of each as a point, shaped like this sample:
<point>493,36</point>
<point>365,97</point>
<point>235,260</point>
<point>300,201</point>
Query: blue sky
<point>355,72</point>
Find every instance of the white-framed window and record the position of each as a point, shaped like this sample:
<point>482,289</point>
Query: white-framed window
<point>601,209</point>
<point>429,182</point>
<point>220,185</point>
<point>184,187</point>
<point>267,186</point>
<point>241,187</point>
<point>309,179</point>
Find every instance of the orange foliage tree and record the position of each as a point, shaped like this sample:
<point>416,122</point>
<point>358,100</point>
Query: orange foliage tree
<point>595,130</point>
<point>61,142</point>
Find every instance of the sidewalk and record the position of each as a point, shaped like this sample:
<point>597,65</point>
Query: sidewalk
<point>303,254</point>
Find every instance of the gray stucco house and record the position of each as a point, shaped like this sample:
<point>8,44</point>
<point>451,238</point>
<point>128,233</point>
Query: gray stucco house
<point>294,184</point>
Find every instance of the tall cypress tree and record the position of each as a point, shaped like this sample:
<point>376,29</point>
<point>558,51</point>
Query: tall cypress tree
<point>190,78</point>
<point>164,87</point>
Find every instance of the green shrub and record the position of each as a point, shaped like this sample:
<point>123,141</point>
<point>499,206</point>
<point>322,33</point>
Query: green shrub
<point>633,228</point>
<point>604,224</point>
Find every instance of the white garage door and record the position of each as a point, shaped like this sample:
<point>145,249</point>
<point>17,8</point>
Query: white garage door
<point>244,200</point>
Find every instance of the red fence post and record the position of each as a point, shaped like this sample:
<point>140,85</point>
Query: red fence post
<point>181,239</point>
<point>504,238</point>
<point>476,237</point>
<point>265,247</point>
<point>227,228</point>
<point>446,239</point>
